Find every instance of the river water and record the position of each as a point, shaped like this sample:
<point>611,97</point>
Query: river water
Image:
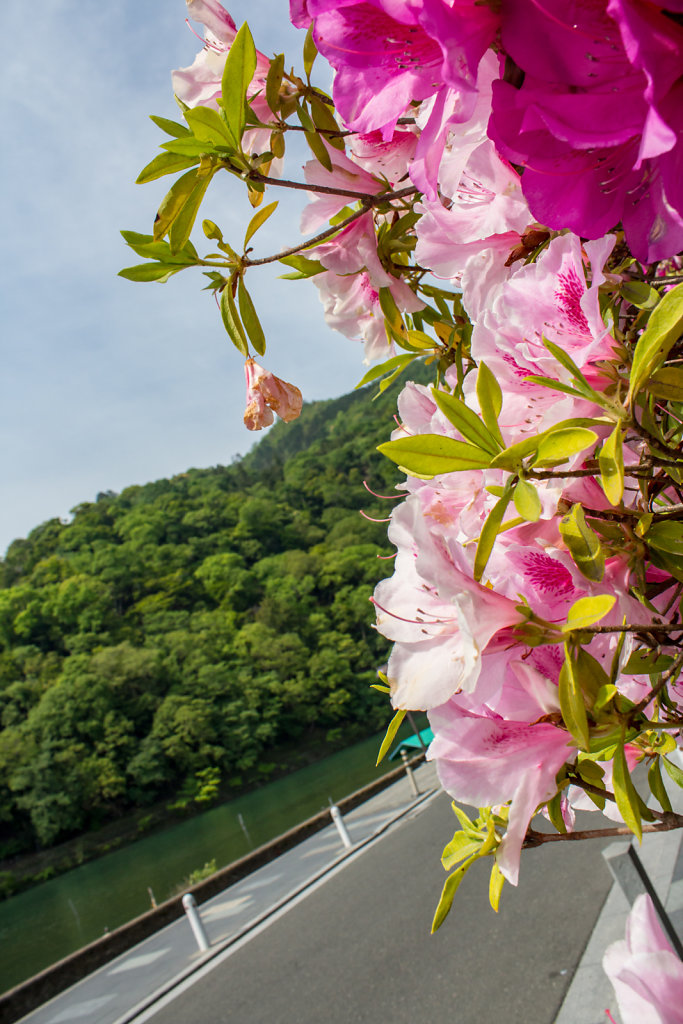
<point>46,923</point>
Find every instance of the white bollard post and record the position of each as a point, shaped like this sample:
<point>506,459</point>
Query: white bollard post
<point>341,827</point>
<point>409,772</point>
<point>190,906</point>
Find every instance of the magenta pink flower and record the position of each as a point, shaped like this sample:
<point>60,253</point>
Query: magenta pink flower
<point>646,973</point>
<point>595,118</point>
<point>388,53</point>
<point>267,394</point>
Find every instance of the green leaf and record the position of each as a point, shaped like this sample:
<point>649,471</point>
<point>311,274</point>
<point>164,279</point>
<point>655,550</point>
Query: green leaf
<point>673,771</point>
<point>611,462</point>
<point>318,149</point>
<point>490,531</point>
<point>259,218</point>
<point>173,202</point>
<point>554,808</point>
<point>667,537</point>
<point>657,340</point>
<point>183,222</point>
<point>250,319</point>
<point>390,733</point>
<point>555,385</point>
<point>625,793</point>
<point>527,501</point>
<point>304,266</point>
<point>645,663</point>
<point>640,294</point>
<point>178,131</point>
<point>149,272</point>
<point>165,163</point>
<point>667,383</point>
<point>564,359</point>
<point>392,315</point>
<point>461,845</point>
<point>310,52</point>
<point>571,702</point>
<point>208,126</point>
<point>490,400</point>
<point>448,893</point>
<point>274,82</point>
<point>466,421</point>
<point>231,320</point>
<point>396,362</point>
<point>583,544</point>
<point>325,122</point>
<point>560,445</point>
<point>430,454</point>
<point>588,610</point>
<point>144,245</point>
<point>657,788</point>
<point>496,882</point>
<point>188,147</point>
<point>237,75</point>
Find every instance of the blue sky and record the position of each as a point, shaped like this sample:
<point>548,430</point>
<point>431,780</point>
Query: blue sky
<point>104,382</point>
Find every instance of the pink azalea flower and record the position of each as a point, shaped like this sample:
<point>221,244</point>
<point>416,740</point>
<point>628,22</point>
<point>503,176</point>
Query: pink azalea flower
<point>201,83</point>
<point>440,619</point>
<point>388,53</point>
<point>646,973</point>
<point>597,120</point>
<point>267,394</point>
<point>486,758</point>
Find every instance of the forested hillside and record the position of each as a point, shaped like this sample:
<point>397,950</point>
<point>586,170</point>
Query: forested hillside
<point>171,637</point>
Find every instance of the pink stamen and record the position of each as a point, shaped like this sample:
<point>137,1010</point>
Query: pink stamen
<point>385,497</point>
<point>202,40</point>
<point>416,622</point>
<point>610,1017</point>
<point>386,558</point>
<point>371,520</point>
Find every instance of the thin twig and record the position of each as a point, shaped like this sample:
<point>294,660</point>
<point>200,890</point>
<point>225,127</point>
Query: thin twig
<point>657,689</point>
<point>371,198</point>
<point>307,244</point>
<point>671,821</point>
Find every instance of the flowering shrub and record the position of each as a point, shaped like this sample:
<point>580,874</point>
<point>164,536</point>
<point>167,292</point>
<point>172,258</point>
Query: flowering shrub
<point>499,191</point>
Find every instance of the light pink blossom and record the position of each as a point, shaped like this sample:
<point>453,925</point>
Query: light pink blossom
<point>646,973</point>
<point>267,394</point>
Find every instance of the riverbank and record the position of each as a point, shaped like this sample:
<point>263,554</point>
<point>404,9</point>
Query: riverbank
<point>25,871</point>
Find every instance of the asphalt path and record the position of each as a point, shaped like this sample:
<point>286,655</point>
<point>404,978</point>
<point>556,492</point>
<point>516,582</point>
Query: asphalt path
<point>358,947</point>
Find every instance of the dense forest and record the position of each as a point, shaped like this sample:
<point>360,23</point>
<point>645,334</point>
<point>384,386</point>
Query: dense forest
<point>171,638</point>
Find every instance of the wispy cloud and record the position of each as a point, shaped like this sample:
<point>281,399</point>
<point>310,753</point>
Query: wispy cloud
<point>105,382</point>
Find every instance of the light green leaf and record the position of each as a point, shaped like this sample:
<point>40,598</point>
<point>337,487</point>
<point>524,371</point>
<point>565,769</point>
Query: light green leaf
<point>324,121</point>
<point>396,362</point>
<point>274,81</point>
<point>583,544</point>
<point>390,733</point>
<point>625,793</point>
<point>571,702</point>
<point>490,531</point>
<point>304,266</point>
<point>560,445</point>
<point>466,421</point>
<point>564,359</point>
<point>250,319</point>
<point>318,148</point>
<point>258,219</point>
<point>661,334</point>
<point>611,462</point>
<point>149,272</point>
<point>554,809</point>
<point>392,315</point>
<point>657,788</point>
<point>448,893</point>
<point>490,400</point>
<point>640,294</point>
<point>496,882</point>
<point>461,845</point>
<point>667,537</point>
<point>237,75</point>
<point>173,202</point>
<point>430,454</point>
<point>183,223</point>
<point>208,126</point>
<point>178,131</point>
<point>231,320</point>
<point>188,147</point>
<point>673,771</point>
<point>310,52</point>
<point>527,501</point>
<point>165,163</point>
<point>667,383</point>
<point>588,610</point>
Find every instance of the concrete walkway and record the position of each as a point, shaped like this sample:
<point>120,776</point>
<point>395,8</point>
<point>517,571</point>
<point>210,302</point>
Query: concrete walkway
<point>120,991</point>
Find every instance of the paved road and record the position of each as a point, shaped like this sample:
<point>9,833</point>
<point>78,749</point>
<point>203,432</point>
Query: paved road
<point>357,949</point>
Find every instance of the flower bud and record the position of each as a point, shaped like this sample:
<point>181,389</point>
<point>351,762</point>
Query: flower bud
<point>267,394</point>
